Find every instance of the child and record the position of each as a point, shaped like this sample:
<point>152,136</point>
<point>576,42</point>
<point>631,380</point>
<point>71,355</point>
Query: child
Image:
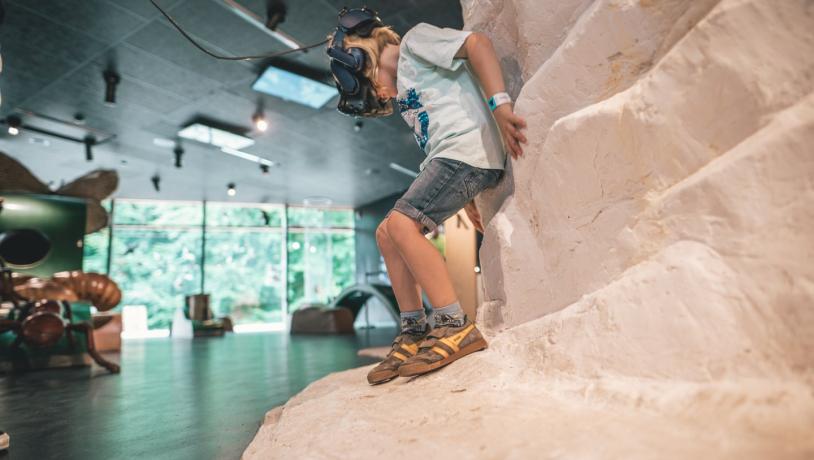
<point>443,104</point>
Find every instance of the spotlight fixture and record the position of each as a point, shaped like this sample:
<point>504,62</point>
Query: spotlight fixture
<point>259,120</point>
<point>156,180</point>
<point>275,13</point>
<point>112,80</point>
<point>230,189</point>
<point>357,126</point>
<point>14,123</point>
<point>178,151</point>
<point>206,133</point>
<point>264,168</point>
<point>90,141</point>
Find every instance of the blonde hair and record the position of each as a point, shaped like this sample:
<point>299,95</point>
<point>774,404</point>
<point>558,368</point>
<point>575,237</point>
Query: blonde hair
<point>373,46</point>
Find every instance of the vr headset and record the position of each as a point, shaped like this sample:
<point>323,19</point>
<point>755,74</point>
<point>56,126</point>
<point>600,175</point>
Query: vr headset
<point>356,94</point>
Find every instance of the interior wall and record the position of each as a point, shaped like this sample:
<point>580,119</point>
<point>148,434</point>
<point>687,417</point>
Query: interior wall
<point>461,259</point>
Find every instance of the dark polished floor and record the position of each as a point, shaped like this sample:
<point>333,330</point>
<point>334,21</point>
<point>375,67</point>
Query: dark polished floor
<point>175,399</point>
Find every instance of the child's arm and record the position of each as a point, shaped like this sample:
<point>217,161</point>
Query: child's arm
<point>483,60</point>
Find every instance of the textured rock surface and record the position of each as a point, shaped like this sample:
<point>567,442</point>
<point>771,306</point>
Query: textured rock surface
<point>648,274</point>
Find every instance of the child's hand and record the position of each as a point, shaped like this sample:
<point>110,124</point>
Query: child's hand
<point>510,126</point>
<point>473,214</point>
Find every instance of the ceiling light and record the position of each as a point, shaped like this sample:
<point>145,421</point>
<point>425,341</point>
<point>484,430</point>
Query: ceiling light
<point>259,120</point>
<point>292,87</point>
<point>215,136</point>
<point>230,189</point>
<point>317,201</point>
<point>90,141</point>
<point>178,151</point>
<point>36,140</point>
<point>112,80</point>
<point>14,123</point>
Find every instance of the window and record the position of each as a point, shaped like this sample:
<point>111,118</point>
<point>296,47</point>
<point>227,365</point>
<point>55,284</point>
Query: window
<point>95,252</point>
<point>244,268</point>
<point>156,255</point>
<point>253,259</point>
<point>156,267</point>
<point>321,257</point>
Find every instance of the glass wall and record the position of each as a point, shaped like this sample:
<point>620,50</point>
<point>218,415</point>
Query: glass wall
<point>321,254</point>
<point>244,267</point>
<point>156,255</point>
<point>257,261</point>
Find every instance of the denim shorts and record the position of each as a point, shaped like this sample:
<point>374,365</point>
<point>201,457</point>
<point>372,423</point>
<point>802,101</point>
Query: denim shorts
<point>442,189</point>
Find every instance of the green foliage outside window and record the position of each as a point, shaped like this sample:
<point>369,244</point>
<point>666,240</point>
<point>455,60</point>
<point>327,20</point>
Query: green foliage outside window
<point>156,268</point>
<point>95,252</point>
<point>323,218</point>
<point>156,257</point>
<point>244,215</point>
<point>138,212</point>
<point>244,275</point>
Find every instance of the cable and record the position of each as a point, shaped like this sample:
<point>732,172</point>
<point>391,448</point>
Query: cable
<point>231,58</point>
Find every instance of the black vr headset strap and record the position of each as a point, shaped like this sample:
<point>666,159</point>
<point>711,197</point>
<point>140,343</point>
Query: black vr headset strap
<point>345,79</point>
<point>347,64</point>
<point>337,51</point>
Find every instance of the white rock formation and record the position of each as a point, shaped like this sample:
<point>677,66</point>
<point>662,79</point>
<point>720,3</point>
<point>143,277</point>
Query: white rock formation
<point>649,270</point>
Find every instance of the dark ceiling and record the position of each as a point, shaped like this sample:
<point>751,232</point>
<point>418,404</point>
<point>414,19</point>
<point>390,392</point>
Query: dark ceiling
<point>54,53</point>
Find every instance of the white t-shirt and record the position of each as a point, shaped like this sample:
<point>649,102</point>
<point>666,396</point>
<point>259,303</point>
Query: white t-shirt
<point>441,100</point>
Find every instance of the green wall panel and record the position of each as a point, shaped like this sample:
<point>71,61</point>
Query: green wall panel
<point>61,219</point>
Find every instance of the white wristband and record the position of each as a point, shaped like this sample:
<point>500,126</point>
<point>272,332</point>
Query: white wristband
<point>499,99</point>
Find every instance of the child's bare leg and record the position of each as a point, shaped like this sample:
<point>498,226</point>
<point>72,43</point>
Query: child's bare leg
<point>413,320</point>
<point>408,293</point>
<point>422,258</point>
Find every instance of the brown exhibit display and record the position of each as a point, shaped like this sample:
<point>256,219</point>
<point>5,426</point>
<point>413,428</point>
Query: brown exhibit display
<point>45,326</point>
<point>92,187</point>
<point>316,319</point>
<point>107,331</point>
<point>41,312</point>
<point>97,289</point>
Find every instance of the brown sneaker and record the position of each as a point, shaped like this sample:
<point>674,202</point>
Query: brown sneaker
<point>442,346</point>
<point>405,346</point>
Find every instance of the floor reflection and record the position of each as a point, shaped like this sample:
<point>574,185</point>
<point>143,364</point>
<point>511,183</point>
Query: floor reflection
<point>175,399</point>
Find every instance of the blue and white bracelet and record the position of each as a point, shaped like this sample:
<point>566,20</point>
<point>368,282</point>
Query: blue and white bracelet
<point>498,100</point>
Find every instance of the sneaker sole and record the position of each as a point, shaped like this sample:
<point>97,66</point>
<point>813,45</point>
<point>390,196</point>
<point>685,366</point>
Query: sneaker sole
<point>377,378</point>
<point>410,370</point>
